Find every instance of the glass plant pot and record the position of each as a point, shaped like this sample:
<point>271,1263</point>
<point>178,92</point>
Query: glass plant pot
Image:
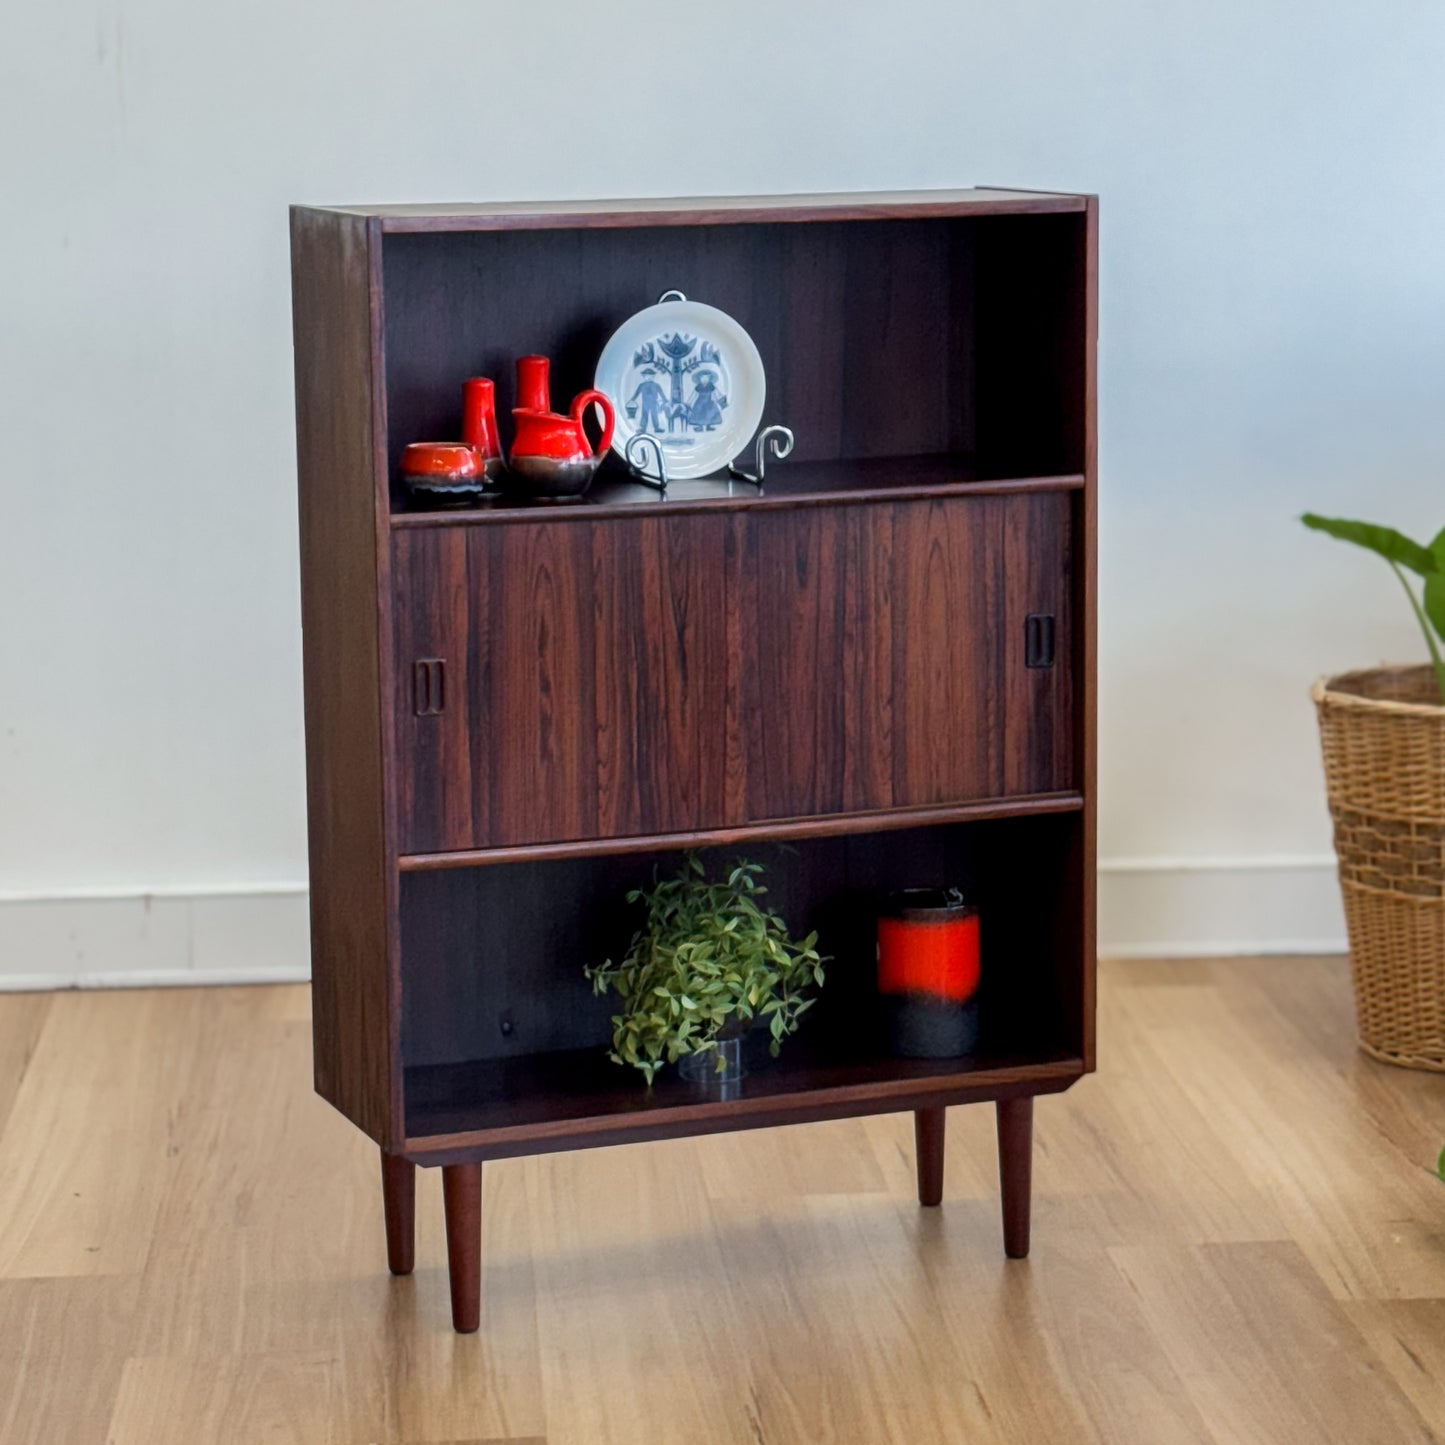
<point>717,1068</point>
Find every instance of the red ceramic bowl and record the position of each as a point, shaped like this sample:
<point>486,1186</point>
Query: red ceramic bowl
<point>441,462</point>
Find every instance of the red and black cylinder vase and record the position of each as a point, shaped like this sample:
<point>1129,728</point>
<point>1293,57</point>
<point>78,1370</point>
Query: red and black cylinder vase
<point>928,971</point>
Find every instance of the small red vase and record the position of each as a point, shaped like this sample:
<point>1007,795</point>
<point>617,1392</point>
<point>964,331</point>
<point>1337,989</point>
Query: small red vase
<point>928,972</point>
<point>534,387</point>
<point>479,424</point>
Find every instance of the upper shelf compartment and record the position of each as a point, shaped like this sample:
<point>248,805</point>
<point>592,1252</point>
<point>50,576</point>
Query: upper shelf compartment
<point>912,346</point>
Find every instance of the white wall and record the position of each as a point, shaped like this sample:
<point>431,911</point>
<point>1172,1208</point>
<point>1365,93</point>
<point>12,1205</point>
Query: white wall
<point>1273,337</point>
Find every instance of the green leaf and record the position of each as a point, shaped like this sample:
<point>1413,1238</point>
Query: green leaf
<point>1431,645</point>
<point>1440,1165</point>
<point>1435,587</point>
<point>1386,542</point>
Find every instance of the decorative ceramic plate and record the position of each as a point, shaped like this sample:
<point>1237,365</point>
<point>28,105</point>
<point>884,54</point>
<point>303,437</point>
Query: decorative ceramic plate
<point>688,375</point>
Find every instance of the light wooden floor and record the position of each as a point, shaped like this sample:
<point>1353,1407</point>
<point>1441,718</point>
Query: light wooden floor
<point>1236,1238</point>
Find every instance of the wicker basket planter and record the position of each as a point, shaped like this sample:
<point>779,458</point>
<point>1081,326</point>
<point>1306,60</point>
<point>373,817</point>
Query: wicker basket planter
<point>1383,732</point>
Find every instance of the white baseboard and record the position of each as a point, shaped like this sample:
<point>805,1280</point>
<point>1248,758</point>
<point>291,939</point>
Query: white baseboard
<point>117,939</point>
<point>1208,907</point>
<point>113,938</point>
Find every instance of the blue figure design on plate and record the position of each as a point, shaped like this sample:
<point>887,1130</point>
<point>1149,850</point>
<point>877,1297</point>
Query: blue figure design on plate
<point>706,410</point>
<point>682,360</point>
<point>651,398</point>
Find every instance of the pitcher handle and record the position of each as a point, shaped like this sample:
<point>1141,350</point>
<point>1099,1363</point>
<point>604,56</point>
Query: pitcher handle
<point>580,404</point>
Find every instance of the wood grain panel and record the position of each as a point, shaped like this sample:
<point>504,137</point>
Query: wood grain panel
<point>792,589</point>
<point>542,745</point>
<point>659,642</point>
<point>343,578</point>
<point>585,680</point>
<point>868,663</point>
<point>883,661</point>
<point>949,645</point>
<point>1036,720</point>
<point>437,593</point>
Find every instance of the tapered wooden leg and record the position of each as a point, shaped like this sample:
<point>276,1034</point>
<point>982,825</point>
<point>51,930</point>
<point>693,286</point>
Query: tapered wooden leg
<point>1015,1171</point>
<point>928,1136</point>
<point>398,1197</point>
<point>462,1196</point>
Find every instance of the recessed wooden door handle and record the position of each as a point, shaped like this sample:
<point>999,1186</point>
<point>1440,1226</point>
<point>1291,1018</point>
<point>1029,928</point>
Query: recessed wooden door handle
<point>428,686</point>
<point>1039,639</point>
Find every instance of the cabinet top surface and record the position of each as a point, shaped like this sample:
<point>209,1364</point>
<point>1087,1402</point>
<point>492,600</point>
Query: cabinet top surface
<point>708,210</point>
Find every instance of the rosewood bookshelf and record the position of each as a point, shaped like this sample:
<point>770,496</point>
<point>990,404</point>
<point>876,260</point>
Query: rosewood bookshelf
<point>514,713</point>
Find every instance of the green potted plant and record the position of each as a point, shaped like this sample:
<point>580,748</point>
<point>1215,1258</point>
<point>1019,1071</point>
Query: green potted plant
<point>708,962</point>
<point>1383,734</point>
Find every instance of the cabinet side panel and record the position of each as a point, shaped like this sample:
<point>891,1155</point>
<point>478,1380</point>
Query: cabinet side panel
<point>1084,346</point>
<point>350,963</point>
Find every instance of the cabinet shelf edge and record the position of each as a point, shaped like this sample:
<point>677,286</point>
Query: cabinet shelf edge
<point>828,825</point>
<point>718,1116</point>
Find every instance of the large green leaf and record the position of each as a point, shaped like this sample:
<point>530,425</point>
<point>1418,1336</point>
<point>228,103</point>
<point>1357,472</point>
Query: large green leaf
<point>1435,586</point>
<point>1393,546</point>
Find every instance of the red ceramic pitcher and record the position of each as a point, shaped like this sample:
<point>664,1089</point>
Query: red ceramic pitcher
<point>551,453</point>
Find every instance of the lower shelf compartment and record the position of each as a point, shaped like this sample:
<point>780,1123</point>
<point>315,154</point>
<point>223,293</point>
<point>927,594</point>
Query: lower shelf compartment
<point>577,1097</point>
<point>505,1044</point>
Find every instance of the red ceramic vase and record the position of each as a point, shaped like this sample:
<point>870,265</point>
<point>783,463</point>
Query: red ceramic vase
<point>534,386</point>
<point>928,972</point>
<point>479,424</point>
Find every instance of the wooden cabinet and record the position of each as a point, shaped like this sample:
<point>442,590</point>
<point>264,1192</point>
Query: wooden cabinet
<point>877,671</point>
